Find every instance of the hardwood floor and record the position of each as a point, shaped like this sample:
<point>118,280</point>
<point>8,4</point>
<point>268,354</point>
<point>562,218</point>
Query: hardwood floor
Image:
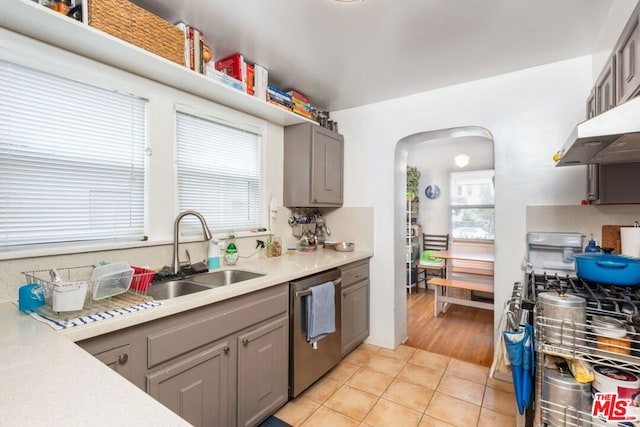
<point>464,333</point>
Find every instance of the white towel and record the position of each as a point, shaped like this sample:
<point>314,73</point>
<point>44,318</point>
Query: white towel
<point>321,312</point>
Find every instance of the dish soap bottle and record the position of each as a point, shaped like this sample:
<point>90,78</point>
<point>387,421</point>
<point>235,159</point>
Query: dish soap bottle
<point>213,256</point>
<point>592,246</point>
<point>231,252</point>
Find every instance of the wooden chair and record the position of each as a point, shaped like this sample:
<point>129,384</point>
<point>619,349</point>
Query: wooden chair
<point>426,268</point>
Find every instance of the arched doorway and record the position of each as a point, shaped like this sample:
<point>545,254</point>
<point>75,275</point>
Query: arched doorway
<point>402,150</point>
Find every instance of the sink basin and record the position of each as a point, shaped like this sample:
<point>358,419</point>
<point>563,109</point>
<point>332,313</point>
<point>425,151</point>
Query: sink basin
<point>174,288</point>
<point>224,277</point>
<point>201,282</point>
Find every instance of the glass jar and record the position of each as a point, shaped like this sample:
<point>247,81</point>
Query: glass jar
<point>273,247</point>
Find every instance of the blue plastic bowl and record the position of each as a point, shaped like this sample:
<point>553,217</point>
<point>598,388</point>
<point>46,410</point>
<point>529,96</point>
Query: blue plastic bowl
<point>608,269</point>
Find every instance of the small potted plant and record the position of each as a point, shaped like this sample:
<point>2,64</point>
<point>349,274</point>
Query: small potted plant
<point>413,180</point>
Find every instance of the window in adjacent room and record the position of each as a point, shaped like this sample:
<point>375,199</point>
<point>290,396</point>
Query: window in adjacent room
<point>72,160</point>
<point>219,174</point>
<point>472,205</point>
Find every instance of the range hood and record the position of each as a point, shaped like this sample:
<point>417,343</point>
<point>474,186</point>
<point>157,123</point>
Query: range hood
<point>611,137</point>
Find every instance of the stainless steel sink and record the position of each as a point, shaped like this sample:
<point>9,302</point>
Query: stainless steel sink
<point>201,282</point>
<point>225,277</point>
<point>174,288</point>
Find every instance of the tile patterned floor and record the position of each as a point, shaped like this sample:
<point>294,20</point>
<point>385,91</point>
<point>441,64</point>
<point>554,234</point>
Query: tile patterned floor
<point>374,386</point>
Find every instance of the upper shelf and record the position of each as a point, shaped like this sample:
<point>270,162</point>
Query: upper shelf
<point>38,22</point>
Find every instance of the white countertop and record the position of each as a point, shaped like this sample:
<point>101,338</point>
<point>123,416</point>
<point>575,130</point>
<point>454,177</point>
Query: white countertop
<point>46,379</point>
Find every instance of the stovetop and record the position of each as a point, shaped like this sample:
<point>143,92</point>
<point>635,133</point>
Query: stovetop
<point>620,300</point>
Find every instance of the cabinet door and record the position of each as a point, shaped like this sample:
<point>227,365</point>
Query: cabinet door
<point>355,315</point>
<point>326,167</point>
<point>591,105</point>
<point>605,88</point>
<point>628,54</point>
<point>117,359</point>
<point>197,387</point>
<point>262,371</point>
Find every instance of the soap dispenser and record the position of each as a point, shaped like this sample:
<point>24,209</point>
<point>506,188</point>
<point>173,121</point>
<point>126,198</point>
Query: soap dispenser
<point>592,246</point>
<point>213,256</point>
<point>231,251</point>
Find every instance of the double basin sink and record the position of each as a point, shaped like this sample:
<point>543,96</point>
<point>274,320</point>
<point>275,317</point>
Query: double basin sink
<point>198,283</point>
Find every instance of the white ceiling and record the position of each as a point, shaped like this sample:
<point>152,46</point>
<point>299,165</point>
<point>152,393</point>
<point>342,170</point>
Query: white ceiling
<point>349,54</point>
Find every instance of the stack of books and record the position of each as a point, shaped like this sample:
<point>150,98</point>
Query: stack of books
<point>193,48</point>
<point>252,77</point>
<point>301,103</point>
<point>235,67</point>
<point>280,98</point>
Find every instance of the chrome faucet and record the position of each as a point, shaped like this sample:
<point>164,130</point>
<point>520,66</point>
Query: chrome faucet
<point>176,236</point>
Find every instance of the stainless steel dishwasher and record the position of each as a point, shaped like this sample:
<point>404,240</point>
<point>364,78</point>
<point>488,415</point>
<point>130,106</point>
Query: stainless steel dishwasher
<point>306,363</point>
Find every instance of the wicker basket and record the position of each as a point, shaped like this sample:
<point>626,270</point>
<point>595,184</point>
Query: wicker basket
<point>131,23</point>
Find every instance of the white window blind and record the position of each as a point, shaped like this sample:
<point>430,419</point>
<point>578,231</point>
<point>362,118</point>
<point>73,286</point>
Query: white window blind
<point>218,174</point>
<point>72,160</point>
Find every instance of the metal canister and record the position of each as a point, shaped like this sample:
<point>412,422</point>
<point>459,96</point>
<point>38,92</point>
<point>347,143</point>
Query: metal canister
<point>566,399</point>
<point>564,318</point>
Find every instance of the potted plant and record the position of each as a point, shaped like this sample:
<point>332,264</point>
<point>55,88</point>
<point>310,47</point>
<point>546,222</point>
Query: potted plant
<point>413,180</point>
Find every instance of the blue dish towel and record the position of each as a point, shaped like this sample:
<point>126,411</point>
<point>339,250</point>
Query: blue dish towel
<point>321,310</point>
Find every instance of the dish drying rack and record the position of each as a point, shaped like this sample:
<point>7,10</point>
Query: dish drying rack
<point>77,278</point>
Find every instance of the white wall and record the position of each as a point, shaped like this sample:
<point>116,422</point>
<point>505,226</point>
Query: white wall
<point>529,113</point>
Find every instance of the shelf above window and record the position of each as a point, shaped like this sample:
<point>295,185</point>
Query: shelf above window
<point>38,22</point>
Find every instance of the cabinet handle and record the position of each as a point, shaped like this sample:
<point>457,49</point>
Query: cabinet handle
<point>344,294</point>
<point>358,275</point>
<point>226,349</point>
<point>245,342</point>
<point>122,359</point>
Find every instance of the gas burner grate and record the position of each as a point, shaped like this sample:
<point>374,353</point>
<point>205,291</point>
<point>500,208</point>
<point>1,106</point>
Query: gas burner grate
<point>601,299</point>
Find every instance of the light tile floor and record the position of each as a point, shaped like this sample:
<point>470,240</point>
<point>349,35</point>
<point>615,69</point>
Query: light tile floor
<point>373,386</point>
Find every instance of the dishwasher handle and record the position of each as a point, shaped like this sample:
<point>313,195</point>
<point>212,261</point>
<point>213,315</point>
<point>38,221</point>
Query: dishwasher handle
<point>308,292</point>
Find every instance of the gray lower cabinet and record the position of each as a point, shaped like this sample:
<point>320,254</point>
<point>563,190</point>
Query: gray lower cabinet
<point>197,387</point>
<point>117,359</point>
<point>224,364</point>
<point>262,371</point>
<point>313,166</point>
<point>355,305</point>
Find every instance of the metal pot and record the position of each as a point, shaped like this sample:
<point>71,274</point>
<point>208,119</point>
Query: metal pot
<point>563,318</point>
<point>566,397</point>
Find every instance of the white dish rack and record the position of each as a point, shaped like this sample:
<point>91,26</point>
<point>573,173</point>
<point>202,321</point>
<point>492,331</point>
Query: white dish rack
<point>73,293</point>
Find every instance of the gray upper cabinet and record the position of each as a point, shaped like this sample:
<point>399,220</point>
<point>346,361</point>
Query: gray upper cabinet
<point>606,87</point>
<point>591,105</point>
<point>313,166</point>
<point>619,80</point>
<point>610,184</point>
<point>628,60</point>
<point>355,304</point>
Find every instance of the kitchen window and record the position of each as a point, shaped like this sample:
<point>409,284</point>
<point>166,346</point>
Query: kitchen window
<point>219,173</point>
<point>472,205</point>
<point>72,160</point>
